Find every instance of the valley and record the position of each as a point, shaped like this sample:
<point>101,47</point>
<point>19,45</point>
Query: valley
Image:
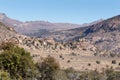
<point>93,46</point>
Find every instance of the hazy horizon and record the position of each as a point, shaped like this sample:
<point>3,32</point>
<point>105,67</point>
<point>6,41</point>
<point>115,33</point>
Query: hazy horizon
<point>62,11</point>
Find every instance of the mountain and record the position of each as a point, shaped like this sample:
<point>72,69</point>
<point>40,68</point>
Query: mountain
<point>105,35</point>
<point>6,32</point>
<point>45,45</point>
<point>8,21</point>
<point>31,27</point>
<point>39,28</point>
<point>78,46</point>
<point>109,25</point>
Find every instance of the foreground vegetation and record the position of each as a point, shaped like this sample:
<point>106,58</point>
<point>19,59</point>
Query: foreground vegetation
<point>17,64</point>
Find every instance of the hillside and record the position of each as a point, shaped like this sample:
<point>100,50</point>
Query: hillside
<point>104,35</point>
<point>6,32</point>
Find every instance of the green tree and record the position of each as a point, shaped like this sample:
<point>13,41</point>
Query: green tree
<point>47,68</point>
<point>17,62</point>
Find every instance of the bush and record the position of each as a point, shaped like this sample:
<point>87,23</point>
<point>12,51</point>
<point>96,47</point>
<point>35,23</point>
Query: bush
<point>89,64</point>
<point>113,61</point>
<point>60,75</point>
<point>17,62</point>
<point>6,45</point>
<point>4,76</point>
<point>68,61</point>
<point>119,64</point>
<point>98,62</point>
<point>112,55</point>
<point>47,68</point>
<point>110,74</point>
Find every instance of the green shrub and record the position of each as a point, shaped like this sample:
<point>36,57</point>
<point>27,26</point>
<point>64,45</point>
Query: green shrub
<point>60,75</point>
<point>89,64</point>
<point>17,62</point>
<point>113,61</point>
<point>4,75</point>
<point>47,68</point>
<point>68,61</point>
<point>119,64</point>
<point>98,62</point>
<point>6,45</point>
<point>110,75</point>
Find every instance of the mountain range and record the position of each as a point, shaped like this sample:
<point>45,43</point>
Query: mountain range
<point>34,26</point>
<point>103,34</point>
<point>76,46</point>
<point>38,28</point>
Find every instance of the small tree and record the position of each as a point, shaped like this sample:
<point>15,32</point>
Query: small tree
<point>48,67</point>
<point>17,62</point>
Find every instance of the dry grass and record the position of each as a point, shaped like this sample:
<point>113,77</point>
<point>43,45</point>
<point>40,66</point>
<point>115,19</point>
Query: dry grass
<point>78,61</point>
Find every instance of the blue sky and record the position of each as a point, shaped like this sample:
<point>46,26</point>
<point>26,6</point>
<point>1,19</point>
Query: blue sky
<point>67,11</point>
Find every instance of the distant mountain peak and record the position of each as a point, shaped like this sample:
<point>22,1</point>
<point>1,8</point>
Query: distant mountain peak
<point>112,23</point>
<point>118,16</point>
<point>2,15</point>
<point>114,19</point>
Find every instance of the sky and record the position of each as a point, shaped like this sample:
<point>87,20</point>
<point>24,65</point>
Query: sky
<point>66,11</point>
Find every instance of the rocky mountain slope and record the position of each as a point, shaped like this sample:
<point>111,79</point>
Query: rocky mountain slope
<point>105,35</point>
<point>6,32</point>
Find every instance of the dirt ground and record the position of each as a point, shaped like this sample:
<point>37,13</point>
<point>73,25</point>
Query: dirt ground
<point>79,62</point>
